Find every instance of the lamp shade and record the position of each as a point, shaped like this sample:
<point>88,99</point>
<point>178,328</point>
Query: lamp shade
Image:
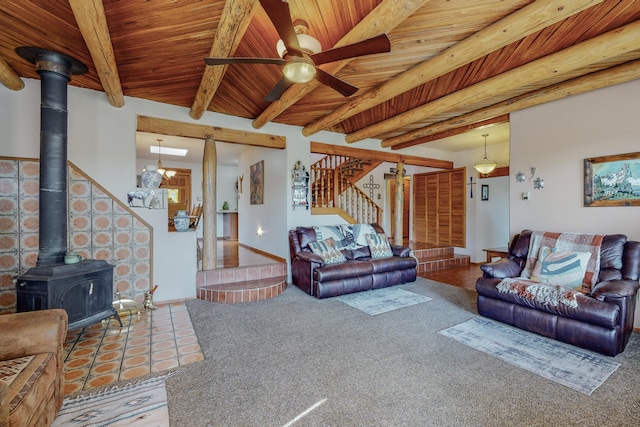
<point>299,70</point>
<point>485,166</point>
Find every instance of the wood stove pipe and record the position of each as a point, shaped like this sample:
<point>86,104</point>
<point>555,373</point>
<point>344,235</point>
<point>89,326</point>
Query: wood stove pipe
<point>55,70</point>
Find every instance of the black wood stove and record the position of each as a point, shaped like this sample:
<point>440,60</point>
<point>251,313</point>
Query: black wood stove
<point>83,289</point>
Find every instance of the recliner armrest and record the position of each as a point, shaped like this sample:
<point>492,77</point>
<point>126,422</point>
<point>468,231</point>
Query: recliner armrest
<point>402,251</point>
<point>501,269</point>
<point>614,289</point>
<point>33,332</point>
<point>310,257</point>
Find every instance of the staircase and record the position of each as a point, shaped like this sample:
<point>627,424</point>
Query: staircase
<point>333,189</point>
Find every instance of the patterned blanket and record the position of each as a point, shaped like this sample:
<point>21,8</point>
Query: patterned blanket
<point>544,293</point>
<point>567,242</point>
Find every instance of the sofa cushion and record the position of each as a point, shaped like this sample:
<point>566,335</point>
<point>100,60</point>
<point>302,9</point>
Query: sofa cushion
<point>384,265</point>
<point>328,250</point>
<point>345,270</point>
<point>562,268</point>
<point>379,245</point>
<point>30,382</point>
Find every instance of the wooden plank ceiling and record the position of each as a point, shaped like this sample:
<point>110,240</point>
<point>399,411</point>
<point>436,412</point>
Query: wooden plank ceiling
<point>453,64</point>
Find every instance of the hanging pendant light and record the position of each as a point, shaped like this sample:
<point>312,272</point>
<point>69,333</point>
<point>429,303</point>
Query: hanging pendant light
<point>485,165</point>
<point>168,174</point>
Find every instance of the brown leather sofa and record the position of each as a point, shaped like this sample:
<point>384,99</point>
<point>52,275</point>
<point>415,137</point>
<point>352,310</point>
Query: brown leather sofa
<point>603,319</point>
<point>32,361</point>
<point>360,272</point>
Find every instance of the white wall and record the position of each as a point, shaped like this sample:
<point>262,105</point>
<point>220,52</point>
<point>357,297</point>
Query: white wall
<point>556,138</point>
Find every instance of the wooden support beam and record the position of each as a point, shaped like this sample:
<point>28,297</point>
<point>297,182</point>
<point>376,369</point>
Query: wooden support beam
<point>385,156</point>
<point>526,21</point>
<point>209,208</point>
<point>235,19</point>
<point>193,130</point>
<point>452,132</point>
<point>92,23</point>
<point>601,52</point>
<point>384,18</point>
<point>398,214</point>
<point>9,77</point>
<point>605,78</point>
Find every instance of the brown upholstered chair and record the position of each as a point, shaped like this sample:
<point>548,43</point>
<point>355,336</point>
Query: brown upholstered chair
<point>32,367</point>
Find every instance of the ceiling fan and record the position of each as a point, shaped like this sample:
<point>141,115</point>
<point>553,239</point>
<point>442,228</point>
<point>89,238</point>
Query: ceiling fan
<point>300,54</point>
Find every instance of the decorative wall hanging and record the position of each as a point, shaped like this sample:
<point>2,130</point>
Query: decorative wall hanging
<point>485,192</point>
<point>299,186</point>
<point>371,186</point>
<point>612,180</point>
<point>471,184</point>
<point>256,185</point>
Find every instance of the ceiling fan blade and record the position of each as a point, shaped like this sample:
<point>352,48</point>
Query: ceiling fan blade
<point>278,11</point>
<point>243,60</point>
<point>378,44</point>
<point>278,90</point>
<point>335,83</point>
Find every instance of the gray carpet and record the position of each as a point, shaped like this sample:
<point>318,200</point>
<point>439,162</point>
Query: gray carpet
<point>268,362</point>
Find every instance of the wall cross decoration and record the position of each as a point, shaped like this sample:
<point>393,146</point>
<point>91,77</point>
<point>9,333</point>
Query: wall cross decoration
<point>471,184</point>
<point>371,186</point>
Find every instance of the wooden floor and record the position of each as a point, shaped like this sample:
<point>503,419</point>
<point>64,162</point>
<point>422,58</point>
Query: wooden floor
<point>232,255</point>
<point>465,276</point>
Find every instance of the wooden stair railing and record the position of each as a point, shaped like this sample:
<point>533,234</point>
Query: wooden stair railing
<point>331,190</point>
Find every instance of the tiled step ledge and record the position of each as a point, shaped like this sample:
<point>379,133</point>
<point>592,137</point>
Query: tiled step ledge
<point>433,253</point>
<point>245,291</point>
<point>240,274</point>
<point>440,264</point>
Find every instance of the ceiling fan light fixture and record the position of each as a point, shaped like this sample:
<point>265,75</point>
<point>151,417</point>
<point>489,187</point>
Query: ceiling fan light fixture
<point>485,165</point>
<point>299,70</point>
<point>308,45</point>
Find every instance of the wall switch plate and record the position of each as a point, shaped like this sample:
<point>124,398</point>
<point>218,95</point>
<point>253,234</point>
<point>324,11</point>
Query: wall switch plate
<point>525,195</point>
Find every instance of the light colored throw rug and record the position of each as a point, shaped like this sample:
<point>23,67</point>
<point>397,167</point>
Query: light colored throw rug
<point>379,301</point>
<point>571,366</point>
<point>141,404</point>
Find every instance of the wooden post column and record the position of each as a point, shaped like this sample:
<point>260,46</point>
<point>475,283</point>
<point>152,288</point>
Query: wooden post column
<point>209,209</point>
<point>397,214</point>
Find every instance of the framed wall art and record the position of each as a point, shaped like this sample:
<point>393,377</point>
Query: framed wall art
<point>612,180</point>
<point>256,183</point>
<point>484,192</point>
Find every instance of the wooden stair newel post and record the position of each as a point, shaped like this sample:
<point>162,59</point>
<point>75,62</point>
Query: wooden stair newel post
<point>397,214</point>
<point>209,217</point>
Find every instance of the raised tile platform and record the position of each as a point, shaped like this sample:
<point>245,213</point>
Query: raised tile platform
<point>242,284</point>
<point>433,258</point>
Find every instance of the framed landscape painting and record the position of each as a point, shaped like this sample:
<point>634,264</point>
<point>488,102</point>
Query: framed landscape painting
<point>612,180</point>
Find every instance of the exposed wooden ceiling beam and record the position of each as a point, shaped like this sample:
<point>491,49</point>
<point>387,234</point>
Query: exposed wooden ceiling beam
<point>193,130</point>
<point>609,77</point>
<point>9,77</point>
<point>384,18</point>
<point>528,20</point>
<point>604,51</point>
<point>234,21</point>
<point>92,23</point>
<point>452,132</point>
<point>385,156</point>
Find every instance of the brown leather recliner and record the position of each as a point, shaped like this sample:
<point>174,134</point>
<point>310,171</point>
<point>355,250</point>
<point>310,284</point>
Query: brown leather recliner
<point>603,322</point>
<point>32,361</point>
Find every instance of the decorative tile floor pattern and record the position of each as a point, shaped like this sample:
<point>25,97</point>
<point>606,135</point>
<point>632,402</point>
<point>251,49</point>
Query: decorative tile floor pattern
<point>149,342</point>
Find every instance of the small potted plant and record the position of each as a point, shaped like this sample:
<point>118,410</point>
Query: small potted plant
<point>225,206</point>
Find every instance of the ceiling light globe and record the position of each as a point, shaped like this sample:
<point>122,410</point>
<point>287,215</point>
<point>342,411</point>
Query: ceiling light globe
<point>485,166</point>
<point>299,70</point>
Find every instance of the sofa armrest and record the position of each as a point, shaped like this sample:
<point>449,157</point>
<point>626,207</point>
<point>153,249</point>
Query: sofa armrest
<point>33,332</point>
<point>614,289</point>
<point>501,269</point>
<point>310,257</point>
<point>402,251</point>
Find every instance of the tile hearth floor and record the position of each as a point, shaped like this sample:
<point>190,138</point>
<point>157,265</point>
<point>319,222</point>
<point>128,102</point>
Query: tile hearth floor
<point>149,342</point>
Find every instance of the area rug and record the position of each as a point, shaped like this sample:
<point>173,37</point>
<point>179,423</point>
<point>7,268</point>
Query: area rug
<point>573,367</point>
<point>141,404</point>
<point>379,301</point>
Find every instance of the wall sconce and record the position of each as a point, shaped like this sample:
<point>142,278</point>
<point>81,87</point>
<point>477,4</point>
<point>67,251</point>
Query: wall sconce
<point>259,232</point>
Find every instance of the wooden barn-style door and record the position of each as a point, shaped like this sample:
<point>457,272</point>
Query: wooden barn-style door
<point>439,212</point>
